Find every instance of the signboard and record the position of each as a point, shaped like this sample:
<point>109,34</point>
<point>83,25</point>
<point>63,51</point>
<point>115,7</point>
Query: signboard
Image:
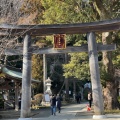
<point>59,41</point>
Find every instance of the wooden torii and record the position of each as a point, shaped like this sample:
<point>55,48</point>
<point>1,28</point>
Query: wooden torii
<point>92,48</point>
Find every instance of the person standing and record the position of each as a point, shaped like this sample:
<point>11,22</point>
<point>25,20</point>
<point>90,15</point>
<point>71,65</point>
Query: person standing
<point>58,102</point>
<point>90,99</point>
<point>79,97</point>
<point>53,105</point>
<point>19,103</point>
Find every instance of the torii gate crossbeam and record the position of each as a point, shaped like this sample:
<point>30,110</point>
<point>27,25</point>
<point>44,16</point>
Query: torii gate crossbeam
<point>76,28</point>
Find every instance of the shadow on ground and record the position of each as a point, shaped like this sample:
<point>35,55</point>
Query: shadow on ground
<point>12,114</point>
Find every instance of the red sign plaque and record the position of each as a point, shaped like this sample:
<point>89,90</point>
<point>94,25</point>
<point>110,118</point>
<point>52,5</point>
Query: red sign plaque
<point>59,41</point>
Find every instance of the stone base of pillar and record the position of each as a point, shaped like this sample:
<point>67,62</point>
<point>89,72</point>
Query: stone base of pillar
<point>99,116</point>
<point>25,119</point>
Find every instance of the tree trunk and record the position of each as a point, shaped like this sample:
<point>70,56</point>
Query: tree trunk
<point>110,90</point>
<point>110,96</point>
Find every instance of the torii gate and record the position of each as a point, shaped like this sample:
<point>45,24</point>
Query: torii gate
<point>92,48</point>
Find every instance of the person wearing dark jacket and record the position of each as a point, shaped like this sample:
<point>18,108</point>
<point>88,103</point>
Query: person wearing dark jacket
<point>53,104</point>
<point>59,99</point>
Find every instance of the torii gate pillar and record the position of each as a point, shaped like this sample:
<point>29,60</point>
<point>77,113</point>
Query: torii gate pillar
<point>26,79</point>
<point>95,77</point>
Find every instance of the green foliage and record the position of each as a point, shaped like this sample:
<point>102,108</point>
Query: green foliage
<point>55,71</point>
<point>37,72</point>
<point>119,99</point>
<point>67,11</point>
<point>57,79</point>
<point>37,67</point>
<point>105,76</point>
<point>77,66</point>
<point>116,53</point>
<point>2,75</point>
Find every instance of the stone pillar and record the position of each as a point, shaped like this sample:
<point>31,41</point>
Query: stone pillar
<point>74,89</point>
<point>16,96</point>
<point>95,77</point>
<point>44,72</point>
<point>26,78</point>
<point>66,80</point>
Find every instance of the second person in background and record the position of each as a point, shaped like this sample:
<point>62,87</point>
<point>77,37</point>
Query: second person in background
<point>58,102</point>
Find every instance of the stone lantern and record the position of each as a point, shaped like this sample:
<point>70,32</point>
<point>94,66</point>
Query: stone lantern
<point>48,85</point>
